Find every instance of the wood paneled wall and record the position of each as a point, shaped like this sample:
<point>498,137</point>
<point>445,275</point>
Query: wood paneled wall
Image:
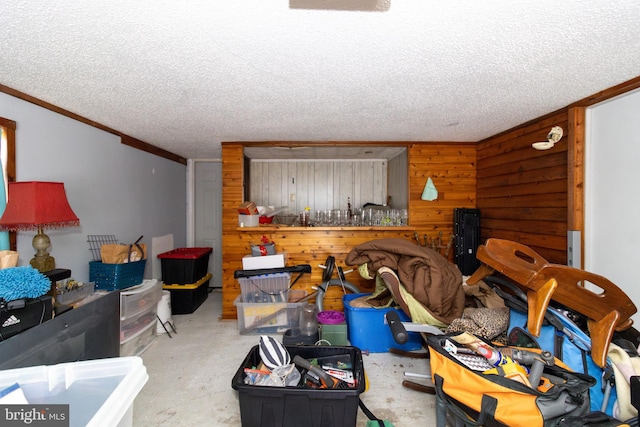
<point>522,192</point>
<point>452,168</point>
<point>450,165</point>
<point>536,197</point>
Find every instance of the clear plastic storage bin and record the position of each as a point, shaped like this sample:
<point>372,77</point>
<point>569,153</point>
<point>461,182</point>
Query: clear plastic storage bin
<point>99,392</point>
<point>265,288</point>
<point>265,318</point>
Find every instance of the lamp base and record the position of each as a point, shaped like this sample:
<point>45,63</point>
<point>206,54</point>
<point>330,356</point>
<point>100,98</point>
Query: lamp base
<point>43,264</point>
<point>42,261</point>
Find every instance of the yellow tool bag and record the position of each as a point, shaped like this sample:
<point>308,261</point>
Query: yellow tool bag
<point>472,392</point>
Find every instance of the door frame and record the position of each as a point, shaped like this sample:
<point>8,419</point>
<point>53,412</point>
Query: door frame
<point>191,213</point>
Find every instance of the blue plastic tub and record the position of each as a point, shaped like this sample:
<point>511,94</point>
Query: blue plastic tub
<point>367,330</point>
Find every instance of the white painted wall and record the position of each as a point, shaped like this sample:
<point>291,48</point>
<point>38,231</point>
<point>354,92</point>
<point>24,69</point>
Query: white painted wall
<point>112,188</point>
<point>318,184</point>
<point>398,181</point>
<point>612,192</point>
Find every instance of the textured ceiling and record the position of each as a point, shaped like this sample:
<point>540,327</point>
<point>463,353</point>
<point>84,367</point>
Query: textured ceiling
<point>186,75</point>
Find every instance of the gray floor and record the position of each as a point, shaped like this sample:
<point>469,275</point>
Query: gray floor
<point>190,377</point>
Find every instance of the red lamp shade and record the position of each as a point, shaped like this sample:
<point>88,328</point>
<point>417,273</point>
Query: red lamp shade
<point>34,204</point>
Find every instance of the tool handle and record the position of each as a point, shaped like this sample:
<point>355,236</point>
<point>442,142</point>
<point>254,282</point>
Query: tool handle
<point>304,363</point>
<point>536,373</point>
<point>398,331</point>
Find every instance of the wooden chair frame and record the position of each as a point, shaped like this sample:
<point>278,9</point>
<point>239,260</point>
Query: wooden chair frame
<point>608,308</point>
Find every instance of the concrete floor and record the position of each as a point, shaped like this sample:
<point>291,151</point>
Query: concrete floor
<point>190,377</point>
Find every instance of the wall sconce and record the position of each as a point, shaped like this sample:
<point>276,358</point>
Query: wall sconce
<point>34,206</point>
<point>554,135</point>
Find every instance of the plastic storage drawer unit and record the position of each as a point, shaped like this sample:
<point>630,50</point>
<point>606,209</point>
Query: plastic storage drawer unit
<point>131,326</point>
<point>262,406</point>
<point>138,317</point>
<point>184,265</point>
<point>139,299</point>
<point>138,341</point>
<point>99,392</point>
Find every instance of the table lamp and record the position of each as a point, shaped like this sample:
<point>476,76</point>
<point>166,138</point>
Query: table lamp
<point>34,206</point>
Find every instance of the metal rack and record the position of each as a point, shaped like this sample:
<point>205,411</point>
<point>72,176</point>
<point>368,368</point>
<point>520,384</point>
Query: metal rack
<point>96,241</point>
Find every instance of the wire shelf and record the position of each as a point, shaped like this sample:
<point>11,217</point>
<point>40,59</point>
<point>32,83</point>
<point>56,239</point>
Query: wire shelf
<point>96,241</point>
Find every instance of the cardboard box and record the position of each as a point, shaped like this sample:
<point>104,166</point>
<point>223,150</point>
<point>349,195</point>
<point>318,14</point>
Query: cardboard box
<point>250,262</point>
<point>248,208</point>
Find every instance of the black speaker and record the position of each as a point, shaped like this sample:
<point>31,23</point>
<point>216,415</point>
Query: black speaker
<point>466,228</point>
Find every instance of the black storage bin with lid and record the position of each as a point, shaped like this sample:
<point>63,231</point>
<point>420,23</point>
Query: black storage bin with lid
<point>184,265</point>
<point>185,299</point>
<point>264,406</point>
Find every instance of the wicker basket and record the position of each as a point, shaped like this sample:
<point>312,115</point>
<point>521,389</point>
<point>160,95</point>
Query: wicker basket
<point>110,277</point>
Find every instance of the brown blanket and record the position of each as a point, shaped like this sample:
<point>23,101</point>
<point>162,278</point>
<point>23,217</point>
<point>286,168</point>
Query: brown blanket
<point>428,276</point>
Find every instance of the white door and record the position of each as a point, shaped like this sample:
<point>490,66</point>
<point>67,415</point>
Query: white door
<point>612,205</point>
<point>208,214</point>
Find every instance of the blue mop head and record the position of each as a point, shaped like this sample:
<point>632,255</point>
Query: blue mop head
<point>22,282</point>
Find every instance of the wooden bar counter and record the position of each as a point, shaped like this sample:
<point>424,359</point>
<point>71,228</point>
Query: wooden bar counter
<point>312,245</point>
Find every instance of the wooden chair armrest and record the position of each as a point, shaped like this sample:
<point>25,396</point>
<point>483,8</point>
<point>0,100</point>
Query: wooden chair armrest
<point>517,261</point>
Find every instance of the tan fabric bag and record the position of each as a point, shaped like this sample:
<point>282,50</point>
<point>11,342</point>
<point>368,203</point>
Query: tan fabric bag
<point>8,259</point>
<point>121,253</point>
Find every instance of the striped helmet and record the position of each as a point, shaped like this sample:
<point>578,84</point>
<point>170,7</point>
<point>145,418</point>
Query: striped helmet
<point>273,353</point>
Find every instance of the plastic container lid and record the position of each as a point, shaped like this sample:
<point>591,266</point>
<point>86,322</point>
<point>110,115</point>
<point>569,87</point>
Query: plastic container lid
<point>186,253</point>
<point>330,317</point>
<point>99,392</point>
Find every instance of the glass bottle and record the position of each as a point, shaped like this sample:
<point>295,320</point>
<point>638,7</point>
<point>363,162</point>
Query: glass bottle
<point>308,320</point>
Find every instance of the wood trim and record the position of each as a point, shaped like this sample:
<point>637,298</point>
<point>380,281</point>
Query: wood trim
<point>11,153</point>
<point>124,139</point>
<point>141,145</point>
<point>609,93</point>
<point>55,109</point>
<point>575,168</point>
<point>6,123</point>
<point>575,172</point>
<point>343,143</point>
<point>10,127</point>
<point>603,95</point>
